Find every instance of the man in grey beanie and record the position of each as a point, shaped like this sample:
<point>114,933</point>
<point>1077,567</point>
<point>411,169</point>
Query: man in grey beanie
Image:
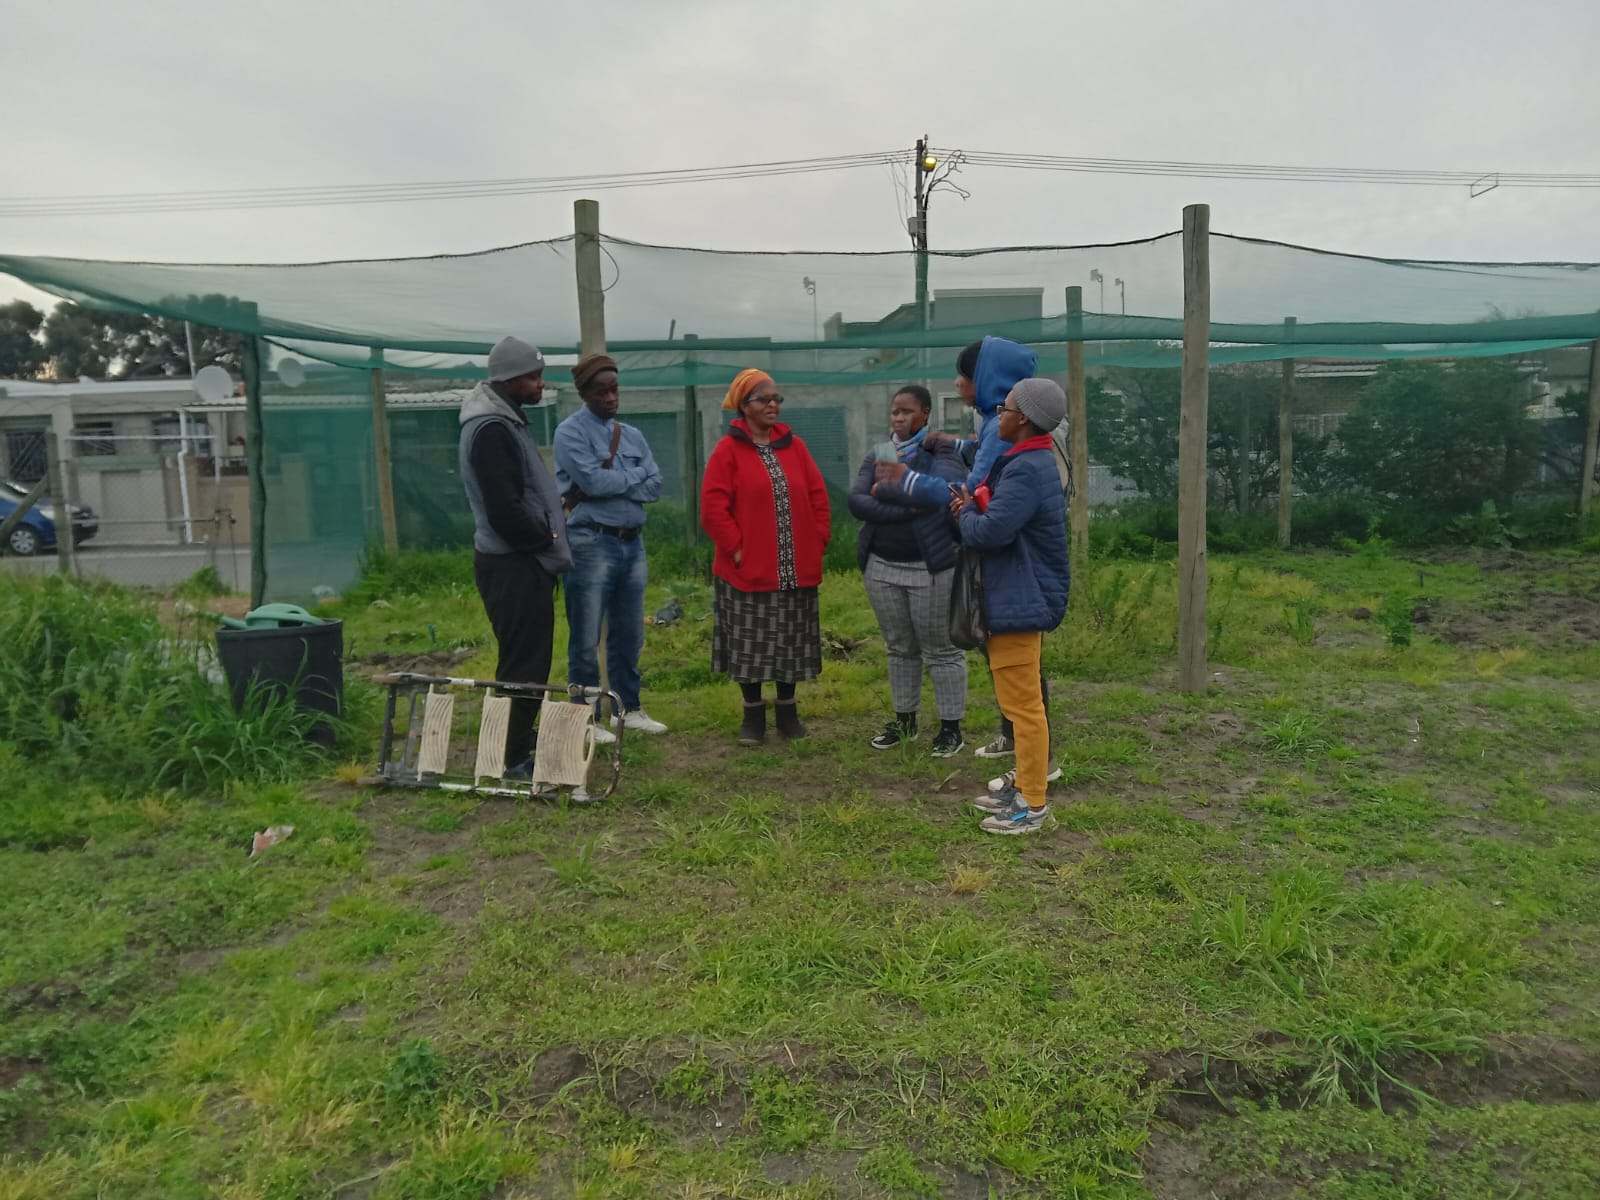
<point>519,538</point>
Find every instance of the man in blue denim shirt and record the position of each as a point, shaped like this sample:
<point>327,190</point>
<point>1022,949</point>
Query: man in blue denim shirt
<point>607,475</point>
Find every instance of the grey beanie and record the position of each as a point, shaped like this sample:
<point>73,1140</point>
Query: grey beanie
<point>512,357</point>
<point>1042,401</point>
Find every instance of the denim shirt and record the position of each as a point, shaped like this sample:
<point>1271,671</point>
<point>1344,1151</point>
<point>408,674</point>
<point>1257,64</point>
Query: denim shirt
<point>616,496</point>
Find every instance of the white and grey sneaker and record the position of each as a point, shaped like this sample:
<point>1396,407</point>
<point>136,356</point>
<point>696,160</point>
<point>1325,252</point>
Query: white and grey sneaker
<point>998,802</point>
<point>1018,818</point>
<point>602,735</point>
<point>640,721</point>
<point>1009,780</point>
<point>1001,747</point>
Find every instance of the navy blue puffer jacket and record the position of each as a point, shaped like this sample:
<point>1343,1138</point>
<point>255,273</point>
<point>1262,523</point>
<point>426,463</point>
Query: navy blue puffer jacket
<point>1023,539</point>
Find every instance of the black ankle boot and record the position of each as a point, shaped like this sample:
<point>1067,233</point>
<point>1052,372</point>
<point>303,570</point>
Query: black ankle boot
<point>754,730</point>
<point>788,720</point>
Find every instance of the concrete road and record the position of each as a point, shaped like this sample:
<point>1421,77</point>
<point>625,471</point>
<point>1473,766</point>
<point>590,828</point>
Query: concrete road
<point>146,566</point>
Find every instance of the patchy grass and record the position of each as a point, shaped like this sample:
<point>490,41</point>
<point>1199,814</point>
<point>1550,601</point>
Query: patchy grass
<point>1327,930</point>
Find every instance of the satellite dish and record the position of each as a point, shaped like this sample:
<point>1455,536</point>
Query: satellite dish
<point>291,372</point>
<point>213,384</point>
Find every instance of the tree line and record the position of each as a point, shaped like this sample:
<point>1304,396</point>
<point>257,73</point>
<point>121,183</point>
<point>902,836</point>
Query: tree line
<point>72,340</point>
<point>1449,436</point>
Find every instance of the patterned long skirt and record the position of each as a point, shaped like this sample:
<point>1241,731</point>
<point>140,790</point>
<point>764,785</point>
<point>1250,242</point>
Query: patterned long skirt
<point>762,636</point>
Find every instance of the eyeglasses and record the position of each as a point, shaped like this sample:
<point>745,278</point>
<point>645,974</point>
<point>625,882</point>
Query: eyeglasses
<point>777,400</point>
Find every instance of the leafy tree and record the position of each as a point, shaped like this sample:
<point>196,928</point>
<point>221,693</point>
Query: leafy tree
<point>20,353</point>
<point>1562,446</point>
<point>1242,434</point>
<point>123,345</point>
<point>1133,427</point>
<point>1134,430</point>
<point>1450,439</point>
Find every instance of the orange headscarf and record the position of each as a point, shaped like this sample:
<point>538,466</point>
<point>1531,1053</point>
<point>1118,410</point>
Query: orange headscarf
<point>743,384</point>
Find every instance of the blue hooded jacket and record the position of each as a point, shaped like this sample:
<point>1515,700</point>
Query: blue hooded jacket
<point>1001,366</point>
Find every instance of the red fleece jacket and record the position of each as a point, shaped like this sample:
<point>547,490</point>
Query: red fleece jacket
<point>738,510</point>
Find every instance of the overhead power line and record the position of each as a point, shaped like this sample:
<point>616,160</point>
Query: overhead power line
<point>1264,171</point>
<point>118,204</point>
<point>135,203</point>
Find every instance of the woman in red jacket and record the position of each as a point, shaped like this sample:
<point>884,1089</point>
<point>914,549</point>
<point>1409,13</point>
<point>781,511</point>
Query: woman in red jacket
<point>764,507</point>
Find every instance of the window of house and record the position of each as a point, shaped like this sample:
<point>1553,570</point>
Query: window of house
<point>94,439</point>
<point>25,461</point>
<point>952,413</point>
<point>166,433</point>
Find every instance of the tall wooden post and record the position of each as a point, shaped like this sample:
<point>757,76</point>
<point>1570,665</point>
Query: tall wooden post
<point>1586,485</point>
<point>689,440</point>
<point>591,327</point>
<point>1077,429</point>
<point>380,454</point>
<point>591,288</point>
<point>1286,442</point>
<point>1192,448</point>
<point>56,472</point>
<point>255,462</point>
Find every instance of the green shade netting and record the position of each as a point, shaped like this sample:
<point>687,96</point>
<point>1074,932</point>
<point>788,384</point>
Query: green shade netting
<point>438,314</point>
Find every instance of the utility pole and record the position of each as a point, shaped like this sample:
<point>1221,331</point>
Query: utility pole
<point>919,226</point>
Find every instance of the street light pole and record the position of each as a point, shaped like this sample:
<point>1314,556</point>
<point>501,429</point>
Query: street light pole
<point>1123,288</point>
<point>810,285</point>
<point>1096,276</point>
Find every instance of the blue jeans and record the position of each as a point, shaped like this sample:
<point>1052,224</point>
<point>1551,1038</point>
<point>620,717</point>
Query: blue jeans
<point>606,583</point>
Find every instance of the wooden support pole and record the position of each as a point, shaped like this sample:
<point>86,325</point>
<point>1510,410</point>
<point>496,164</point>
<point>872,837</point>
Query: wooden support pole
<point>591,288</point>
<point>255,461</point>
<point>55,472</point>
<point>1586,484</point>
<point>591,327</point>
<point>689,454</point>
<point>1286,442</point>
<point>380,454</point>
<point>1077,430</point>
<point>1192,448</point>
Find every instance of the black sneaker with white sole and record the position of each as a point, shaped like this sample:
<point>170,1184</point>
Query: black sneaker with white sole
<point>948,744</point>
<point>893,734</point>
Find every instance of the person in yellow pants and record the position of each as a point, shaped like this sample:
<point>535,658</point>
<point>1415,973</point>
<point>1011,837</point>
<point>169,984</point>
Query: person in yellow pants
<point>1017,519</point>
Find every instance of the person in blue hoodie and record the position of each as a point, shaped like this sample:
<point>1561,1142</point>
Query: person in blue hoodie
<point>1017,519</point>
<point>994,366</point>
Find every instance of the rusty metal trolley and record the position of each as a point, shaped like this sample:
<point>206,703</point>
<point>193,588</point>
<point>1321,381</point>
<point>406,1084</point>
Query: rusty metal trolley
<point>418,755</point>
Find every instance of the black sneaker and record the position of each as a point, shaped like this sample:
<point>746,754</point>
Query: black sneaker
<point>948,744</point>
<point>893,734</point>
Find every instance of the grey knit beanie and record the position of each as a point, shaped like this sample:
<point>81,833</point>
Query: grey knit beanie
<point>1042,401</point>
<point>512,357</point>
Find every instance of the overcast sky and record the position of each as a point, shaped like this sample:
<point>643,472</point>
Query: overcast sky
<point>166,95</point>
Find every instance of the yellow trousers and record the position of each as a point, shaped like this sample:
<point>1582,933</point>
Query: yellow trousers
<point>1014,663</point>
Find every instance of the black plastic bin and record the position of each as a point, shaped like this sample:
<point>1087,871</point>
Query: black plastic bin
<point>305,660</point>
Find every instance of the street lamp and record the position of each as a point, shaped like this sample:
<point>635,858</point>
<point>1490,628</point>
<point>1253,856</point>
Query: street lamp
<point>810,285</point>
<point>1096,277</point>
<point>1123,287</point>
